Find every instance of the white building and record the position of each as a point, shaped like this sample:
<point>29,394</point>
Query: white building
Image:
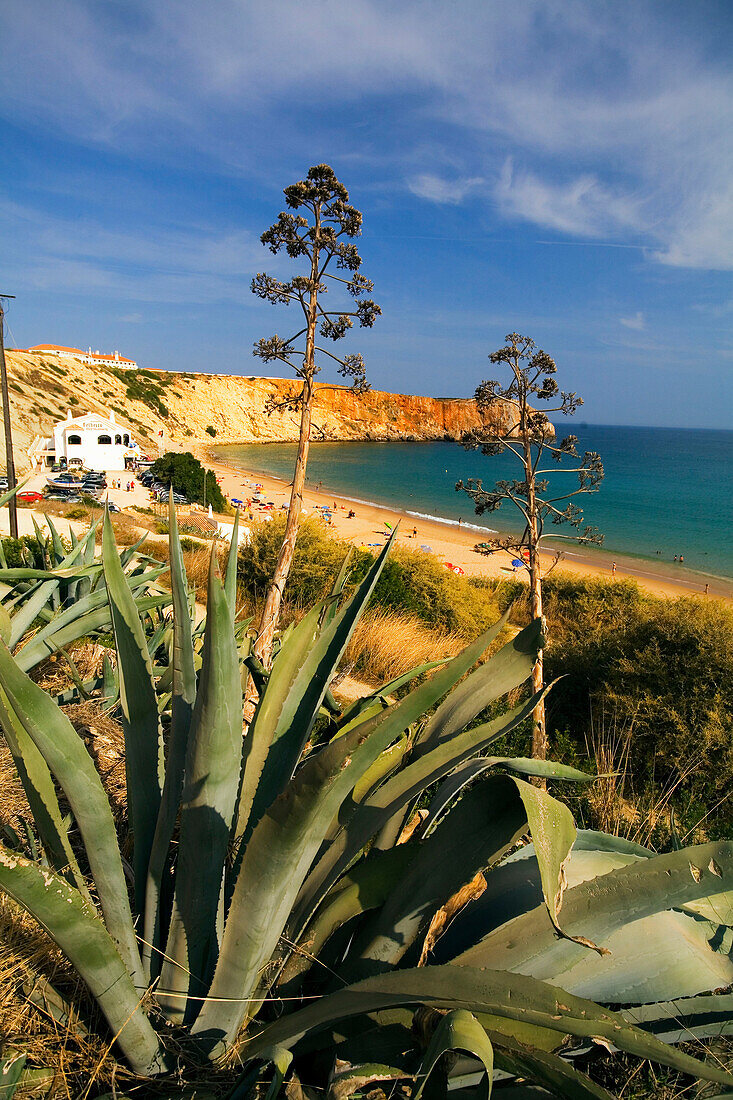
<point>92,357</point>
<point>93,441</point>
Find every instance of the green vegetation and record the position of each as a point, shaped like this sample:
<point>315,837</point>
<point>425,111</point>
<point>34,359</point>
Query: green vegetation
<point>211,431</point>
<point>289,869</point>
<point>186,474</point>
<point>411,582</point>
<point>647,682</point>
<point>146,386</point>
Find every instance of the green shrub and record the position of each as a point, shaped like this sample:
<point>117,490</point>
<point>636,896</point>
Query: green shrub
<point>77,513</point>
<point>186,474</point>
<point>211,431</point>
<point>25,551</point>
<point>662,668</point>
<point>411,582</point>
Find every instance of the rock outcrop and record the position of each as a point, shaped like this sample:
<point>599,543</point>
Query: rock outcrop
<point>192,411</point>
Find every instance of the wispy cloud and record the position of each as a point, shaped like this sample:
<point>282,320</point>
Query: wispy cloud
<point>616,123</point>
<point>581,207</point>
<point>636,322</point>
<point>443,191</point>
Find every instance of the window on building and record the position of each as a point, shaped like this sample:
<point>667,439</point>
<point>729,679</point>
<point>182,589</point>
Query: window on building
<point>102,439</point>
<point>126,439</point>
<point>118,438</point>
<point>75,440</point>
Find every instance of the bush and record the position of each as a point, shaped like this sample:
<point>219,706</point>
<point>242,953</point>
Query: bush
<point>211,431</point>
<point>25,551</point>
<point>186,474</point>
<point>411,583</point>
<point>659,668</point>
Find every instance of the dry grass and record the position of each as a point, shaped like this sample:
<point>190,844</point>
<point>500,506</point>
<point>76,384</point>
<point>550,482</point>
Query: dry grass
<point>386,644</point>
<point>37,989</point>
<point>645,816</point>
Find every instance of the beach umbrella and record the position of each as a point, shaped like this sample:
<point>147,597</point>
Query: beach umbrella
<point>387,525</point>
<point>516,562</point>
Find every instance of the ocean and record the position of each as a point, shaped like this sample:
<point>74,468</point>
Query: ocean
<point>666,492</point>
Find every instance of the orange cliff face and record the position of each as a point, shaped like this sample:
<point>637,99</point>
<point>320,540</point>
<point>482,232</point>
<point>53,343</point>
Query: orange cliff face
<point>42,388</point>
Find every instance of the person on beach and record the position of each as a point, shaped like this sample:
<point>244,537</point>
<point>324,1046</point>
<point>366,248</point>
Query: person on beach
<point>707,589</point>
<point>682,558</point>
<point>613,569</point>
<point>414,532</point>
<point>675,557</point>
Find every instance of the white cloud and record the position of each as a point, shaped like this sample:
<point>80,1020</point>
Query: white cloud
<point>637,322</point>
<point>443,191</point>
<point>619,119</point>
<point>581,207</point>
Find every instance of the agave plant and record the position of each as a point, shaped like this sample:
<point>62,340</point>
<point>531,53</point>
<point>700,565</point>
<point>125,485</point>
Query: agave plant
<point>48,606</point>
<point>281,907</point>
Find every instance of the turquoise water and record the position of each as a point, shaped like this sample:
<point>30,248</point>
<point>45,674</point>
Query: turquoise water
<point>665,490</point>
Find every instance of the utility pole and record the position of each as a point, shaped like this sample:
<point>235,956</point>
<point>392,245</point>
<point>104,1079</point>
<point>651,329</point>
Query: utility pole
<point>10,465</point>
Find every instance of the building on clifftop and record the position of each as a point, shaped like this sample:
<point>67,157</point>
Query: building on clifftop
<point>94,358</point>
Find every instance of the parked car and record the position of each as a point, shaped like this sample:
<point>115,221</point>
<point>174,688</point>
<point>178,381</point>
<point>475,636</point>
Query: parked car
<point>29,496</point>
<point>67,498</point>
<point>58,466</point>
<point>113,507</point>
<point>3,483</point>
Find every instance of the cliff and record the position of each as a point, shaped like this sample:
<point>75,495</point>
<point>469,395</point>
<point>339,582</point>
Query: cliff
<point>184,406</point>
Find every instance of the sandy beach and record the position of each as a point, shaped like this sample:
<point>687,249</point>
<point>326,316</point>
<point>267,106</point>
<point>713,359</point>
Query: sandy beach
<point>454,545</point>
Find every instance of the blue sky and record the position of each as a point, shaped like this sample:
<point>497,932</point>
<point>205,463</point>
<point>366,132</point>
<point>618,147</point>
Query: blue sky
<point>560,169</point>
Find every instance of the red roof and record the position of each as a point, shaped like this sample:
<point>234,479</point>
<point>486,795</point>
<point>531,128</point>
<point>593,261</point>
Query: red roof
<point>55,347</point>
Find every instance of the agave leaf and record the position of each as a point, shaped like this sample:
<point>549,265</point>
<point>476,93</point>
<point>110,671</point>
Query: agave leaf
<point>58,546</point>
<point>209,797</point>
<point>600,907</point>
<point>512,996</point>
<point>74,926</point>
<point>511,666</point>
<point>457,1030</point>
<point>140,721</point>
<point>183,682</point>
<point>87,615</point>
<point>6,625</point>
<point>553,833</point>
<point>29,611</point>
<point>285,841</point>
<point>274,712</point>
<point>287,722</point>
<point>366,886</point>
<point>230,581</point>
<point>65,754</point>
<point>399,790</point>
<point>366,701</point>
<point>41,794</point>
<point>546,1069</point>
<point>487,821</point>
<point>329,611</point>
<point>11,1071</point>
<point>11,492</point>
<point>26,573</point>
<point>685,1019</point>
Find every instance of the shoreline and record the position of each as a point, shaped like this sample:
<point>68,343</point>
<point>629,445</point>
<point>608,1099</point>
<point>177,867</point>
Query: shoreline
<point>454,543</point>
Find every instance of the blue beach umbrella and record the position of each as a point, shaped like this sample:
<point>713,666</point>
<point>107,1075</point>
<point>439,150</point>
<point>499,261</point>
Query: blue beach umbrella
<point>517,562</point>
